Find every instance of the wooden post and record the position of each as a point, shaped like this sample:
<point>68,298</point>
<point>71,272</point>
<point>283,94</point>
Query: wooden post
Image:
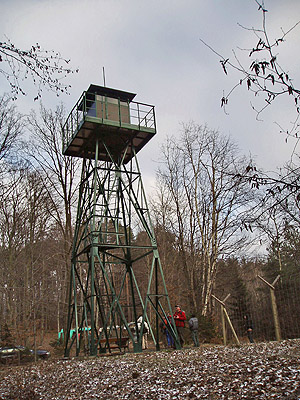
<point>274,306</point>
<point>231,327</point>
<point>224,315</point>
<point>223,325</point>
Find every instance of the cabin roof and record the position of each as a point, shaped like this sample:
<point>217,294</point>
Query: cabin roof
<point>114,93</point>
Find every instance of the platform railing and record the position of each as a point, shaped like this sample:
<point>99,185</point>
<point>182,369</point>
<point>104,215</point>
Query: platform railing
<point>105,110</point>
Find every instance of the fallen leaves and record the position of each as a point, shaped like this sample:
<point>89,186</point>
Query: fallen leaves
<point>260,371</point>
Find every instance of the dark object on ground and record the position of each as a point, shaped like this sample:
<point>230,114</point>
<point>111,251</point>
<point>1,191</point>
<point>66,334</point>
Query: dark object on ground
<point>12,354</point>
<point>44,354</point>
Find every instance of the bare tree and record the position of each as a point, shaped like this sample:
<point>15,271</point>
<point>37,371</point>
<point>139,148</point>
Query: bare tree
<point>60,171</point>
<point>272,223</point>
<point>11,127</point>
<point>28,267</point>
<point>264,76</point>
<point>46,68</point>
<point>167,241</point>
<point>12,241</point>
<point>205,204</point>
<point>277,196</point>
<point>289,195</point>
<point>60,174</point>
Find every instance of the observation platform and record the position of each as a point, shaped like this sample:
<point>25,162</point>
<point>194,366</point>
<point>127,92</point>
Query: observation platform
<point>113,117</point>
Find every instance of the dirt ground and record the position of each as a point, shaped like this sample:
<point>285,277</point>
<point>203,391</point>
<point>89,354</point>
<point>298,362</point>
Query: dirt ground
<point>258,371</point>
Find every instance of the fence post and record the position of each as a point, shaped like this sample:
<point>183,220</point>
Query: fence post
<point>224,315</point>
<point>274,305</point>
<point>223,325</point>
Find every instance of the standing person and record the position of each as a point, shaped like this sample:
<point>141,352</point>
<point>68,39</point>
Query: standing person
<point>249,328</point>
<point>193,324</point>
<point>170,339</point>
<point>179,318</point>
<point>163,332</point>
<point>145,331</point>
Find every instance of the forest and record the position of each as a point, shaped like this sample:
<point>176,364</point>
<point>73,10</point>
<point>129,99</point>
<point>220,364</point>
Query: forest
<point>223,227</point>
<point>227,231</point>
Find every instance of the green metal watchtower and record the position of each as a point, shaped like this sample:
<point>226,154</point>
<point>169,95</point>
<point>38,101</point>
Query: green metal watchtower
<point>116,274</point>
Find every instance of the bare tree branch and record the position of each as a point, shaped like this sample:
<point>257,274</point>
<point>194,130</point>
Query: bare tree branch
<point>46,68</point>
<point>263,75</point>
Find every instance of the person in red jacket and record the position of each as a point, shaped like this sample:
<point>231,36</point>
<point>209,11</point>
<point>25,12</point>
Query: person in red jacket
<point>179,318</point>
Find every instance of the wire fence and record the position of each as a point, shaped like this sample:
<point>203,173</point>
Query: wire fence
<point>272,309</point>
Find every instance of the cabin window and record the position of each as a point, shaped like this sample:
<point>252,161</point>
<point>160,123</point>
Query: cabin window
<point>108,108</point>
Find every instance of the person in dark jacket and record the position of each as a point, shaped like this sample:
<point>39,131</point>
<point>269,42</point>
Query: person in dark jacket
<point>170,339</point>
<point>194,326</point>
<point>179,318</point>
<point>249,328</point>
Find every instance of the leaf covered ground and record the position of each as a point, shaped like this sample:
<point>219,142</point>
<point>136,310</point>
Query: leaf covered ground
<point>259,371</point>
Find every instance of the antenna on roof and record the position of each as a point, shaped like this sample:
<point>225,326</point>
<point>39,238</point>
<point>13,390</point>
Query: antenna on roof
<point>103,72</point>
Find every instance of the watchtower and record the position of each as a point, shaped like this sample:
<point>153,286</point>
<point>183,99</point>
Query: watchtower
<point>116,274</point>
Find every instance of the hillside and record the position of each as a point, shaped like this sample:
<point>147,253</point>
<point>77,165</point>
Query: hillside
<point>261,371</point>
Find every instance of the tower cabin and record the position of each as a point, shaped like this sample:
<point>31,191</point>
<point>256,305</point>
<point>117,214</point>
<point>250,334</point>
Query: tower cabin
<point>110,118</point>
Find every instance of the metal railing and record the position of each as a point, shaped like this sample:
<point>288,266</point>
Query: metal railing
<point>106,110</point>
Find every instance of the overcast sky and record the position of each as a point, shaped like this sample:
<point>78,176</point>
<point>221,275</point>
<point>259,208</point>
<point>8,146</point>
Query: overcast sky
<point>152,48</point>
